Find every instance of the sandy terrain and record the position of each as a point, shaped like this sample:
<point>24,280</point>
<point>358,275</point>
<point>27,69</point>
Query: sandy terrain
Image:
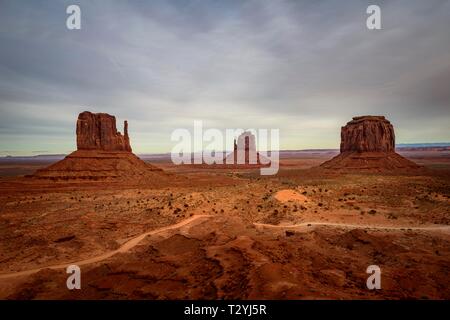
<point>223,234</point>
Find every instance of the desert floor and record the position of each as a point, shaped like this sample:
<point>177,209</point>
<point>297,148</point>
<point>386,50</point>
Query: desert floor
<point>230,234</point>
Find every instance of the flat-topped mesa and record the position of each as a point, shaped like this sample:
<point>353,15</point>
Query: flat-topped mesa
<point>97,131</point>
<point>368,144</point>
<point>368,134</point>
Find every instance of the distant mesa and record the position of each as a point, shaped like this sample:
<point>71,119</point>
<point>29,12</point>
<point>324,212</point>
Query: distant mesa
<point>102,153</point>
<point>244,152</point>
<point>368,144</point>
<point>243,156</point>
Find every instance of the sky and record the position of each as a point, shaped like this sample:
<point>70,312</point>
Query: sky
<point>303,67</point>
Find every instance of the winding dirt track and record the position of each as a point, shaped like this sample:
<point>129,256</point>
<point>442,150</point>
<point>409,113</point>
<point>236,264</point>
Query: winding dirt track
<point>124,248</point>
<point>136,240</point>
<point>355,226</point>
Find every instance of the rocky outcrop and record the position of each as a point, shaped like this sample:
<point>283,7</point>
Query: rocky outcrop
<point>102,154</point>
<point>244,153</point>
<point>244,150</point>
<point>368,144</point>
<point>243,156</point>
<point>97,131</point>
<point>368,133</point>
<point>95,165</point>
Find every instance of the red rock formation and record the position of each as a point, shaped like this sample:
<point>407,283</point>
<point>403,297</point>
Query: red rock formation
<point>103,154</point>
<point>368,144</point>
<point>97,131</point>
<point>368,133</point>
<point>245,153</point>
<point>244,150</point>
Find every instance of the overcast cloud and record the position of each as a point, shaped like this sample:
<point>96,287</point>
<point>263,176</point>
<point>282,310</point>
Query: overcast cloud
<point>305,67</point>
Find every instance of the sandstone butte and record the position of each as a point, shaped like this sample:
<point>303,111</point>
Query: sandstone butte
<point>244,155</point>
<point>102,153</point>
<point>244,152</point>
<point>368,144</point>
<point>97,131</point>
